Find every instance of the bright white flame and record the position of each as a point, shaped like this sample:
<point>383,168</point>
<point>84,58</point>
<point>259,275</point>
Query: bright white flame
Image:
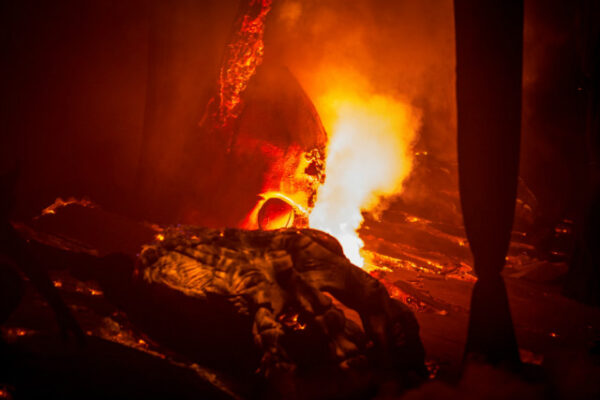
<point>369,156</point>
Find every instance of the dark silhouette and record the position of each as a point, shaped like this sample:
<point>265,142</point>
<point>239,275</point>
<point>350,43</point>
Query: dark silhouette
<point>489,43</point>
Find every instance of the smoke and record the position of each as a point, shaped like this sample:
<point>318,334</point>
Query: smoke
<point>381,76</point>
<point>289,13</point>
<point>401,49</point>
<point>369,157</point>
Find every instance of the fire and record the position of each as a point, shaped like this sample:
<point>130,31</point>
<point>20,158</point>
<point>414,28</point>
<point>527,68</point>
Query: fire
<point>369,157</point>
<point>285,219</point>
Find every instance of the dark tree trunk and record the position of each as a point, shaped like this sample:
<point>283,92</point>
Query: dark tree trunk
<point>489,42</point>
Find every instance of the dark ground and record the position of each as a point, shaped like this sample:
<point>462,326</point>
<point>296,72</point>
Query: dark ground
<point>556,335</point>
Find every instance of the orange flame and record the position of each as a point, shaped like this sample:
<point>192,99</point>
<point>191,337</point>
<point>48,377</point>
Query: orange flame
<point>369,157</point>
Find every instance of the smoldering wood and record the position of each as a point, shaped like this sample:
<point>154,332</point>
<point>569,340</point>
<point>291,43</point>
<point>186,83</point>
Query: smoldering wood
<point>270,275</point>
<point>16,261</point>
<point>241,301</point>
<point>180,144</point>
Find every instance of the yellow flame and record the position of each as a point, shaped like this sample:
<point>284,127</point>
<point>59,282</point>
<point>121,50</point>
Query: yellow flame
<point>369,156</point>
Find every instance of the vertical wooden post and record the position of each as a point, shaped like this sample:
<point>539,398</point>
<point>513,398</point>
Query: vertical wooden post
<point>489,43</point>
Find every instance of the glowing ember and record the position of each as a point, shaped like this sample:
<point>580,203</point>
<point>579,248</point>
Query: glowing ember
<point>84,288</point>
<point>59,202</point>
<point>369,156</point>
<point>244,55</point>
<point>252,221</point>
<point>4,393</point>
<point>291,321</point>
<point>13,333</point>
<point>291,183</point>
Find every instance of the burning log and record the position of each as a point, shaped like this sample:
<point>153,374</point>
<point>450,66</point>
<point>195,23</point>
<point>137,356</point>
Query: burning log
<point>276,280</point>
<point>283,307</point>
<point>259,133</point>
<point>244,55</point>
